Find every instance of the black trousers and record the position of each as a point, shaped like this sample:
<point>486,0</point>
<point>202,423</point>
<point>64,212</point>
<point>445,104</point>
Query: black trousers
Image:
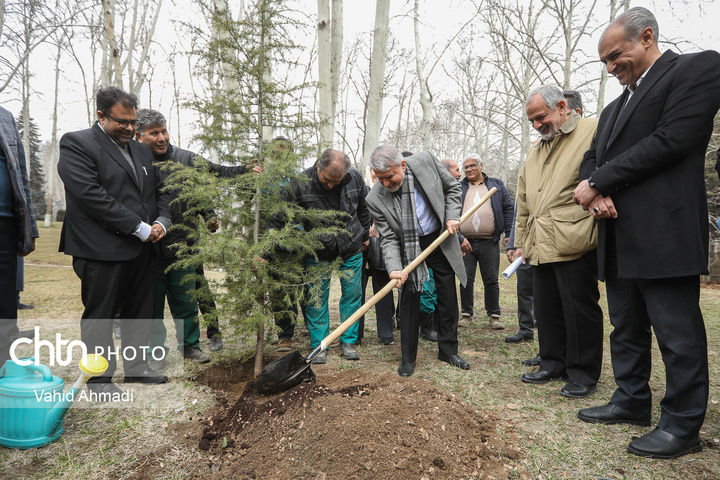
<point>446,313</point>
<point>109,287</point>
<point>670,306</point>
<point>569,319</point>
<point>385,308</point>
<point>526,309</point>
<point>486,255</point>
<point>207,305</point>
<point>8,294</point>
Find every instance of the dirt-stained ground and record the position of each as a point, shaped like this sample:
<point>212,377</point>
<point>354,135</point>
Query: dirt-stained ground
<point>350,424</point>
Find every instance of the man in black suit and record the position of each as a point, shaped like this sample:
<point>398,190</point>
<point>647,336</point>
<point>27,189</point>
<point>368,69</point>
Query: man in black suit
<point>115,211</point>
<point>645,182</point>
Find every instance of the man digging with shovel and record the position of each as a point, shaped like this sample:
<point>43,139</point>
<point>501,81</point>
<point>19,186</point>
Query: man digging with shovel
<point>294,368</point>
<point>413,201</point>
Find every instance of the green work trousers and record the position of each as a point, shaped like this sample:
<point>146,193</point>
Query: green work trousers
<point>317,314</point>
<point>175,285</point>
<point>428,297</point>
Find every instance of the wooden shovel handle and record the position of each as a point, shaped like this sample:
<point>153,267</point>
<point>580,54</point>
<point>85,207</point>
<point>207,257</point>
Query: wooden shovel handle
<point>335,334</point>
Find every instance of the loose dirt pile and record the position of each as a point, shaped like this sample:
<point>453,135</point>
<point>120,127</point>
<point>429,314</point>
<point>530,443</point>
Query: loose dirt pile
<point>354,425</point>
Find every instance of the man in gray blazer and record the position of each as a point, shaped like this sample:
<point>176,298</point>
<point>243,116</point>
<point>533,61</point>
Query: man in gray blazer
<point>412,202</point>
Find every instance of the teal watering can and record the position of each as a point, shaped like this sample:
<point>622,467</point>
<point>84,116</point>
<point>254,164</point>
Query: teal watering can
<point>33,403</point>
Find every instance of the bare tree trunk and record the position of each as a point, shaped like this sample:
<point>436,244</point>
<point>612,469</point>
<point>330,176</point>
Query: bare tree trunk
<point>25,79</point>
<point>425,98</point>
<point>336,49</point>
<point>51,171</point>
<point>265,134</point>
<point>131,47</point>
<point>176,99</point>
<point>136,81</point>
<point>26,116</point>
<point>259,349</point>
<point>2,16</point>
<point>573,32</point>
<point>377,77</point>
<point>615,7</point>
<point>226,73</point>
<point>108,9</point>
<point>324,75</point>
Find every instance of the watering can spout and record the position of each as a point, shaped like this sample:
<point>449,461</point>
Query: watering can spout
<point>90,366</point>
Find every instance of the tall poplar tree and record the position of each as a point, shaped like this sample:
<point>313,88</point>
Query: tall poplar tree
<point>249,63</point>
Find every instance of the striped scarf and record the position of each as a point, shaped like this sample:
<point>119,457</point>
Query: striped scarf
<point>410,232</point>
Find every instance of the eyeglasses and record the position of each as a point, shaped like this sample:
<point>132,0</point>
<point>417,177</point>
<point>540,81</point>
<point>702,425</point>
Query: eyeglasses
<point>471,166</point>
<point>123,123</point>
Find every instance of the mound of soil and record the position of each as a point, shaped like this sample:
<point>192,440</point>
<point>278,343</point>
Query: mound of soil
<point>353,425</point>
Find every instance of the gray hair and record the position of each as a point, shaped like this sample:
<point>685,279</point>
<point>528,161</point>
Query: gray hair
<point>149,118</point>
<point>551,95</point>
<point>385,157</point>
<point>574,100</point>
<point>329,155</point>
<point>634,21</point>
<point>448,163</point>
<point>473,156</point>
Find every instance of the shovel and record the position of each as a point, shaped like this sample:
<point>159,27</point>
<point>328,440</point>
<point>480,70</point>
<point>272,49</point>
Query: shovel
<point>290,370</point>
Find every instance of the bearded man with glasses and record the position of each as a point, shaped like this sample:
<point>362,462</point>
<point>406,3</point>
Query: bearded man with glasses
<point>483,231</point>
<point>116,210</point>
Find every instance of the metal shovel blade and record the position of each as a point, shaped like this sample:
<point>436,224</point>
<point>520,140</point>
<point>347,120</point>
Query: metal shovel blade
<point>283,374</point>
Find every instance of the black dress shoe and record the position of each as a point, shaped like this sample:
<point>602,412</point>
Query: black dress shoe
<point>103,392</point>
<point>24,306</point>
<point>148,376</point>
<point>532,362</point>
<point>542,377</point>
<point>577,390</point>
<point>388,341</point>
<point>661,444</point>
<point>519,337</point>
<point>429,335</point>
<point>454,360</point>
<point>406,369</point>
<point>610,414</point>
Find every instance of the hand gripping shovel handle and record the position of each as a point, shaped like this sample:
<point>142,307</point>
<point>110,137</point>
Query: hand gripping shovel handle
<point>391,284</point>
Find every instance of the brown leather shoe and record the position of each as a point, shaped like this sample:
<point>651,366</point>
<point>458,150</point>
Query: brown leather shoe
<point>284,345</point>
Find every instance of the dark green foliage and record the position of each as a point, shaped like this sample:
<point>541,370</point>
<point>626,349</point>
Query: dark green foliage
<point>236,118</point>
<point>37,178</point>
